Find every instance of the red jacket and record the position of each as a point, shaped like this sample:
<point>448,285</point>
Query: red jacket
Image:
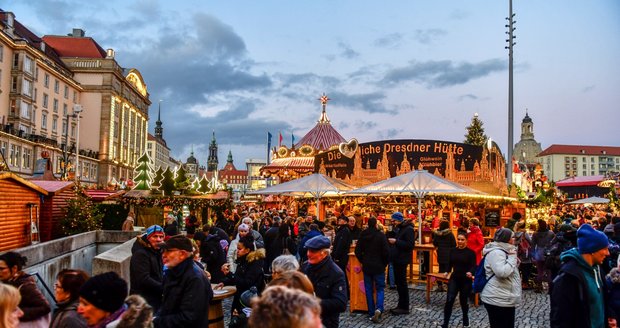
<point>475,242</point>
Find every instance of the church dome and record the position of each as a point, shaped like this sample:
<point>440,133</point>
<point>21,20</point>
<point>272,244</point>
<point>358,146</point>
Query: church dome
<point>527,118</point>
<point>191,159</point>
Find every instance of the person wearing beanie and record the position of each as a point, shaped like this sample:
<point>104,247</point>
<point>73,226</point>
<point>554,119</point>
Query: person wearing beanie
<point>502,293</point>
<point>372,251</point>
<point>146,266</point>
<point>102,299</point>
<point>577,296</point>
<point>403,241</point>
<point>187,290</point>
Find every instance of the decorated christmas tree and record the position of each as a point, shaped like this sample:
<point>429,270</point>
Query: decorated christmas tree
<point>81,215</point>
<point>181,180</point>
<point>475,132</point>
<point>143,173</point>
<point>156,182</point>
<point>167,182</point>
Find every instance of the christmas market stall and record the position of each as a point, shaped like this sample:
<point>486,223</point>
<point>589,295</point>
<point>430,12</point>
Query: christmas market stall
<point>53,207</point>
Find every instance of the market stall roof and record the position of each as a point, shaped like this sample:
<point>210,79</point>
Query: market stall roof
<point>218,195</point>
<point>294,163</point>
<point>101,195</point>
<point>418,183</point>
<point>590,200</point>
<point>591,180</point>
<point>315,185</point>
<point>52,186</point>
<point>27,183</point>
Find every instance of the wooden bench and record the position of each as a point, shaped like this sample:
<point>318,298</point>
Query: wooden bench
<point>431,278</point>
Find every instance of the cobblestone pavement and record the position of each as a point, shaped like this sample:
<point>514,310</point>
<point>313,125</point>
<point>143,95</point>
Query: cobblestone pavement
<point>533,312</point>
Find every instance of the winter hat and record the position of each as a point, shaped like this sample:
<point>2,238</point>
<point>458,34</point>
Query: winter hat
<point>178,242</point>
<point>152,229</point>
<point>106,291</point>
<point>590,240</point>
<point>246,297</point>
<point>398,216</point>
<point>503,235</point>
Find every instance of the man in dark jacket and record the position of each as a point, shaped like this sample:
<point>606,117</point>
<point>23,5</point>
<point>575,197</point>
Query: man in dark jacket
<point>328,280</point>
<point>146,266</point>
<point>313,232</point>
<point>577,296</point>
<point>372,251</point>
<point>404,240</point>
<point>187,290</point>
<point>342,243</point>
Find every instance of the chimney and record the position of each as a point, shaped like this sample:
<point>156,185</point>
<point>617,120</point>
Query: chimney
<point>10,22</point>
<point>42,46</point>
<point>78,33</point>
<point>109,53</point>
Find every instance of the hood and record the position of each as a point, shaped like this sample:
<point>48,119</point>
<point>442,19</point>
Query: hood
<point>614,276</point>
<point>506,247</point>
<point>141,241</point>
<point>256,255</point>
<point>573,254</point>
<point>444,232</point>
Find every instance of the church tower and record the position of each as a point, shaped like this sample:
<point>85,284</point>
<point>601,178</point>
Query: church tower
<point>527,148</point>
<point>212,161</point>
<point>159,130</point>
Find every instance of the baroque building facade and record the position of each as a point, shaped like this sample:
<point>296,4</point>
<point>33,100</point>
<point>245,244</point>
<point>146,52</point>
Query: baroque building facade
<point>526,150</point>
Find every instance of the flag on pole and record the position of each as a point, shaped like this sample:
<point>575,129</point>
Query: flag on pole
<point>292,140</point>
<point>280,140</point>
<point>268,145</point>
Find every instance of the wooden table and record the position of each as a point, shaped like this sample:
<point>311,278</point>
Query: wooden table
<point>430,248</point>
<point>216,312</point>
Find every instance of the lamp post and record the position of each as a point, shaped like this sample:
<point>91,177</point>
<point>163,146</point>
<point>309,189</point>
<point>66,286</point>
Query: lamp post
<point>77,109</point>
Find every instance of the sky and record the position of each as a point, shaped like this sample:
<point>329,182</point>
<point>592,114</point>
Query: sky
<point>400,69</point>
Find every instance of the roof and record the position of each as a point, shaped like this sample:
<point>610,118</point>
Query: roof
<point>291,163</point>
<point>69,46</point>
<point>591,180</point>
<point>52,186</point>
<point>13,176</point>
<point>101,195</point>
<point>321,137</point>
<point>580,150</point>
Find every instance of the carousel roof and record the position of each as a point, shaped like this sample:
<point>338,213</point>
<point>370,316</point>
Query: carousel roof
<point>323,135</point>
<point>291,163</point>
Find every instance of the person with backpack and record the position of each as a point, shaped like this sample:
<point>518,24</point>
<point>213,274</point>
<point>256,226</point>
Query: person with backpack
<point>541,240</point>
<point>524,253</point>
<point>462,264</point>
<point>444,241</point>
<point>502,292</point>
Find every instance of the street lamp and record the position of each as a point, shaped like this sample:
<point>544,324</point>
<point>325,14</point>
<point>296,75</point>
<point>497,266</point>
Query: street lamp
<point>77,109</point>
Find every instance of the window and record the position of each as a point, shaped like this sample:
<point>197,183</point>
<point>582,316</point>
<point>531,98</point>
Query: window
<point>584,166</point>
<point>74,96</point>
<point>12,159</point>
<point>1,53</point>
<point>16,61</point>
<point>26,157</point>
<point>46,80</point>
<point>591,159</point>
<point>72,131</point>
<point>45,100</point>
<point>55,105</point>
<point>27,88</point>
<point>64,109</point>
<point>56,86</point>
<point>43,120</point>
<point>585,173</point>
<point>24,109</point>
<point>14,84</point>
<point>592,173</point>
<point>3,146</point>
<point>28,65</point>
<point>64,126</point>
<point>34,95</point>
<point>66,92</point>
<point>54,124</point>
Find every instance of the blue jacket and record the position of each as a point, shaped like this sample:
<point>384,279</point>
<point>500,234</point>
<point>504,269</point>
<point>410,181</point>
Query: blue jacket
<point>330,286</point>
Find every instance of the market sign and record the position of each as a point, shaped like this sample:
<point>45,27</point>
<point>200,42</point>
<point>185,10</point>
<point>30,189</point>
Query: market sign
<point>380,160</point>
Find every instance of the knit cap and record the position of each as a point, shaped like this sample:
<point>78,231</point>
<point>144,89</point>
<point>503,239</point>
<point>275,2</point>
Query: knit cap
<point>152,229</point>
<point>398,216</point>
<point>503,235</point>
<point>590,240</point>
<point>106,291</point>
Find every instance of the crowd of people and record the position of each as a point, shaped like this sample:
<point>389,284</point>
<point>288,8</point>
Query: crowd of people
<point>290,272</point>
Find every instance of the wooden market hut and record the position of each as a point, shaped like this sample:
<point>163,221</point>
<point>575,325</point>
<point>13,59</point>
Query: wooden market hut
<point>53,207</point>
<point>20,201</point>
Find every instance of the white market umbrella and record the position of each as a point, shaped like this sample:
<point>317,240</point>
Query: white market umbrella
<point>590,200</point>
<point>418,183</point>
<point>315,185</point>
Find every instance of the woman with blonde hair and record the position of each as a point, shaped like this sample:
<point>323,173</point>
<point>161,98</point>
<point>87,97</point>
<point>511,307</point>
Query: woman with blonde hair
<point>283,307</point>
<point>9,311</point>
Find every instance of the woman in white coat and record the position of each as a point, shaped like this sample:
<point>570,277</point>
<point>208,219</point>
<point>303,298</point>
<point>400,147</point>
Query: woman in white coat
<point>502,293</point>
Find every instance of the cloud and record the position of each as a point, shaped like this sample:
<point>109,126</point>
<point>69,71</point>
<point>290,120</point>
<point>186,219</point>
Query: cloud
<point>588,88</point>
<point>391,40</point>
<point>468,96</point>
<point>305,79</point>
<point>347,51</point>
<point>445,73</point>
<point>367,102</point>
<point>364,125</point>
<point>388,134</point>
<point>428,36</point>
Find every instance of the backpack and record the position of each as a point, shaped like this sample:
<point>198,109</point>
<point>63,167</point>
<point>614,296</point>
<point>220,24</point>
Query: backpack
<point>523,249</point>
<point>480,277</point>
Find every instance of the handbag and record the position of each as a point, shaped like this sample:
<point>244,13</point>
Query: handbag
<point>285,250</point>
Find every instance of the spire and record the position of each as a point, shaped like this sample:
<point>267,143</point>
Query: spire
<point>159,130</point>
<point>213,138</point>
<point>324,99</point>
<point>230,159</point>
<point>212,161</point>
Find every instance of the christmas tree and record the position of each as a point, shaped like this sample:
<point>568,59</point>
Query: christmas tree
<point>81,215</point>
<point>156,182</point>
<point>144,173</point>
<point>181,181</point>
<point>203,185</point>
<point>167,183</point>
<point>475,132</point>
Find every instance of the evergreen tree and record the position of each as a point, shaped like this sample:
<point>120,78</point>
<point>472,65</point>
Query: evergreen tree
<point>203,185</point>
<point>159,175</point>
<point>167,183</point>
<point>143,173</point>
<point>81,214</point>
<point>475,132</point>
<point>181,180</point>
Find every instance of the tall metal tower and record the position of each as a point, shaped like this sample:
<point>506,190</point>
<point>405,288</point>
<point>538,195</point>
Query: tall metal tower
<point>511,44</point>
